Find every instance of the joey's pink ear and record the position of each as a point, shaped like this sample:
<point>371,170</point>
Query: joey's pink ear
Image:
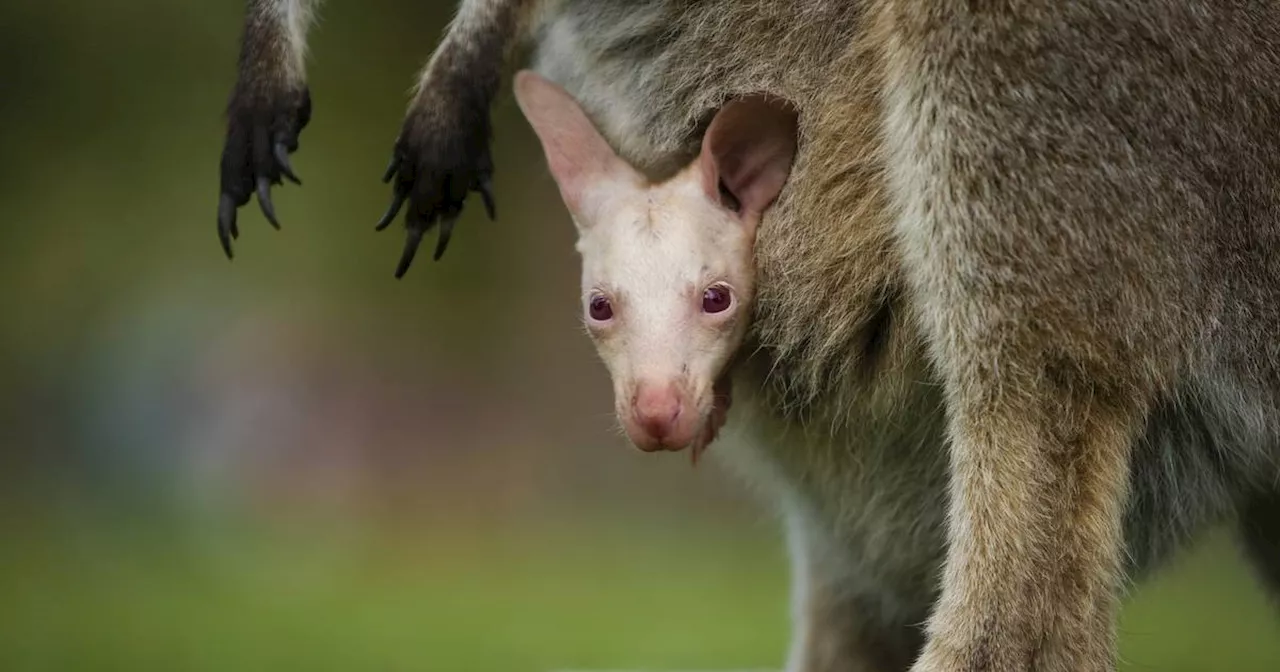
<point>749,148</point>
<point>578,156</point>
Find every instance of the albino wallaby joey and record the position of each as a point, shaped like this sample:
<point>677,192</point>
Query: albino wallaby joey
<point>1016,336</point>
<point>668,268</point>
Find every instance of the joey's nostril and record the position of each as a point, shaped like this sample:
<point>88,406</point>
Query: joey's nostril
<point>658,428</point>
<point>657,411</point>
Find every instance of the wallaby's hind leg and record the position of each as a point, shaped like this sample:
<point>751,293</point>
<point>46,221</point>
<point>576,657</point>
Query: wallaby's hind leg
<point>1043,334</point>
<point>442,152</point>
<point>834,635</point>
<point>1260,534</point>
<point>838,627</point>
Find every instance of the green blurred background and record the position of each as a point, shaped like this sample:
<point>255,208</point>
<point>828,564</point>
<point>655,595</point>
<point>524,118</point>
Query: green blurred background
<point>293,461</point>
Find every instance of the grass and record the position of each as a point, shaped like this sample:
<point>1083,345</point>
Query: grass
<point>109,595</point>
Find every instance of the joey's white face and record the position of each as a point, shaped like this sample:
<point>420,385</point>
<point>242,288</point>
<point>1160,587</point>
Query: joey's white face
<point>667,269</point>
<point>667,284</point>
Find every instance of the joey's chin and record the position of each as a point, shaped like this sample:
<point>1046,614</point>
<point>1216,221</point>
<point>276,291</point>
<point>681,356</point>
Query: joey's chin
<point>648,442</point>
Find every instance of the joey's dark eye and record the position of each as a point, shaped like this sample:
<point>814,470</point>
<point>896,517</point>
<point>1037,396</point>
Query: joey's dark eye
<point>716,299</point>
<point>600,309</point>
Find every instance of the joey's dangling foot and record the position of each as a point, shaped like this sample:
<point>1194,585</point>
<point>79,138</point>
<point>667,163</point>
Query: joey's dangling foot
<point>262,130</point>
<point>441,156</point>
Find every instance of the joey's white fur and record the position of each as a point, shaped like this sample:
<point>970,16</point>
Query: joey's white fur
<point>668,273</point>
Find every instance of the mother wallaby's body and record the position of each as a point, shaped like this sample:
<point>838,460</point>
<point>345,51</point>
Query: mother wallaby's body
<point>1021,293</point>
<point>845,422</point>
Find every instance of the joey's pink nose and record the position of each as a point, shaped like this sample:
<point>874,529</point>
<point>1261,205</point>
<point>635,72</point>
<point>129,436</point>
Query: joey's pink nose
<point>655,411</point>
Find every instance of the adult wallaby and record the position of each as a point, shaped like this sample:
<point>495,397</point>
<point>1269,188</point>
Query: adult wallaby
<point>1015,337</point>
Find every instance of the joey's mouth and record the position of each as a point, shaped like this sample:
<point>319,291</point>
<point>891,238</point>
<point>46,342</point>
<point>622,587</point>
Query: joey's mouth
<point>694,426</point>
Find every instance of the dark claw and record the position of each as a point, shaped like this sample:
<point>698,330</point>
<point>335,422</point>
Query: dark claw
<point>282,159</point>
<point>227,223</point>
<point>264,200</point>
<point>440,156</point>
<point>397,201</point>
<point>446,231</point>
<point>485,187</point>
<point>263,123</point>
<point>391,168</point>
<point>413,238</point>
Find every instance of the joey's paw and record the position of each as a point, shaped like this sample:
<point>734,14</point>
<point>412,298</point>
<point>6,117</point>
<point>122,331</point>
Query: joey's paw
<point>438,160</point>
<point>723,391</point>
<point>262,130</point>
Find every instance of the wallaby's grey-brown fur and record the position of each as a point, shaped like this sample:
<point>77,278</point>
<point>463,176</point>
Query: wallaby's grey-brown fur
<point>1017,312</point>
